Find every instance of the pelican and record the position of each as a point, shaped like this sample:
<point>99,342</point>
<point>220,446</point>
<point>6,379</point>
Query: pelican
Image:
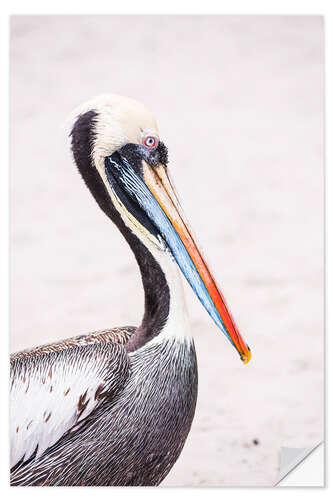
<point>114,407</point>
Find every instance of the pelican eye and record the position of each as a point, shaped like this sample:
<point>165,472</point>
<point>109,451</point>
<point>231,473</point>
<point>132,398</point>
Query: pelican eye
<point>150,142</point>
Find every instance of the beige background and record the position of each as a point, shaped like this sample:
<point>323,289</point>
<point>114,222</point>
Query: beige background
<point>239,101</point>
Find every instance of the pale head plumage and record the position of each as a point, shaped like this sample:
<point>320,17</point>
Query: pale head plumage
<point>120,120</point>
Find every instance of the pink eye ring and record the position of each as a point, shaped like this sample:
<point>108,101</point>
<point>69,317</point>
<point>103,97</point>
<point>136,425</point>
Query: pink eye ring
<point>150,142</point>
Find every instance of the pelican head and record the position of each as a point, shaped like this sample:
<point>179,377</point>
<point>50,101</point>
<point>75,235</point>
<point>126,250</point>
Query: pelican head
<point>116,145</point>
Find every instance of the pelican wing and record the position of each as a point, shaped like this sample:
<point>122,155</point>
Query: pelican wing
<point>55,387</point>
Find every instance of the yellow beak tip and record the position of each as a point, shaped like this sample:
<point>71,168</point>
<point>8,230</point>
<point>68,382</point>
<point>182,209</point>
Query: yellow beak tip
<point>246,358</point>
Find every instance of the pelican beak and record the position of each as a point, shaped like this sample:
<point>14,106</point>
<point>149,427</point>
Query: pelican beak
<point>150,200</point>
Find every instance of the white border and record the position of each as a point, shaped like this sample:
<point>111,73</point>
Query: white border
<point>237,7</point>
<point>224,7</point>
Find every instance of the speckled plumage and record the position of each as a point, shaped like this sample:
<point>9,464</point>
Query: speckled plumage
<point>136,436</point>
<point>56,386</point>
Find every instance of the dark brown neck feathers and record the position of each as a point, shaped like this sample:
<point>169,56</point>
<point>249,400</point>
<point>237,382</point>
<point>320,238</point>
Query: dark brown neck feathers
<point>156,290</point>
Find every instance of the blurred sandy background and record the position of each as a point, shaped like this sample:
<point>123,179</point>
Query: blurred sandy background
<point>239,101</point>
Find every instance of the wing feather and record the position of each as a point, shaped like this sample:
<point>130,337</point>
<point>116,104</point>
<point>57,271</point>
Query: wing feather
<point>56,390</point>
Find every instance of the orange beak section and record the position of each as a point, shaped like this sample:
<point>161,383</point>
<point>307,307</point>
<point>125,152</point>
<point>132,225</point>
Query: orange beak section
<point>158,182</point>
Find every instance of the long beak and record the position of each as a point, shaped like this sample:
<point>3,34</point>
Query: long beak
<point>156,197</point>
